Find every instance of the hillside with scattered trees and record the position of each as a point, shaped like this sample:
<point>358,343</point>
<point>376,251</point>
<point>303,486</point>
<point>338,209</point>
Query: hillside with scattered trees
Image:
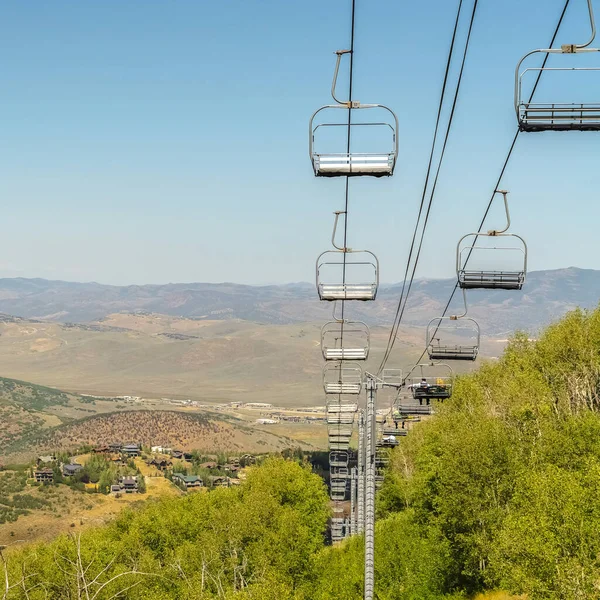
<point>498,492</point>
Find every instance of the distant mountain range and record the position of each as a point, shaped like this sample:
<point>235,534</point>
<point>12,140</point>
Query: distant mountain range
<point>546,296</point>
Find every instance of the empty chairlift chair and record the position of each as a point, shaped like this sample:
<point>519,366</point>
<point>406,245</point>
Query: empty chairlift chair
<point>559,116</point>
<point>341,412</point>
<point>345,340</point>
<point>433,382</point>
<point>492,260</point>
<point>342,378</point>
<point>339,458</point>
<point>339,440</point>
<point>347,275</point>
<point>449,338</point>
<point>327,163</point>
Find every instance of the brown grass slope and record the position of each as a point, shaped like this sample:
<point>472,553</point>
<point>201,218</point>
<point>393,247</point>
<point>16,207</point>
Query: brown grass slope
<point>165,428</point>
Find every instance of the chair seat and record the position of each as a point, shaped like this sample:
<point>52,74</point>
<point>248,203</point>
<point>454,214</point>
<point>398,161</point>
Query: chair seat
<point>342,388</point>
<point>491,280</point>
<point>559,117</point>
<point>434,392</point>
<point>346,353</point>
<point>453,352</point>
<point>353,165</point>
<point>348,291</point>
<point>414,409</point>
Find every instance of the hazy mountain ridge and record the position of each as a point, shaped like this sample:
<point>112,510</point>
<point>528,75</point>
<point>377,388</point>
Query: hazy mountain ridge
<point>546,296</point>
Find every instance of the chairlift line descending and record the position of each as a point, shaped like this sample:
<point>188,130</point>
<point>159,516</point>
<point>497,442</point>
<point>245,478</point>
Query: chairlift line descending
<point>559,116</point>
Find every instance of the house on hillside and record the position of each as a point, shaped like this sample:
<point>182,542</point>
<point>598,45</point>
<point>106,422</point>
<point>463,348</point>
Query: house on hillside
<point>129,484</point>
<point>131,450</point>
<point>45,460</point>
<point>71,469</point>
<point>160,464</point>
<point>220,481</point>
<point>209,465</point>
<point>187,481</point>
<point>101,449</point>
<point>114,447</point>
<point>44,475</point>
<point>177,454</point>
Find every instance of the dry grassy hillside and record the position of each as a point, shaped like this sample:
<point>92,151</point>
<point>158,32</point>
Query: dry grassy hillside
<point>158,356</point>
<point>163,428</point>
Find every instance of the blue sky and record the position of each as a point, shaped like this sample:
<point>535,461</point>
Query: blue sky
<point>148,142</point>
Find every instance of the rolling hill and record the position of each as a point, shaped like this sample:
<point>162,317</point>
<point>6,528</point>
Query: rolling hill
<point>157,356</point>
<point>37,419</point>
<point>547,296</point>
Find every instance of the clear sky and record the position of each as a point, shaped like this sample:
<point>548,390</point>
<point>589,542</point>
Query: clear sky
<point>156,141</point>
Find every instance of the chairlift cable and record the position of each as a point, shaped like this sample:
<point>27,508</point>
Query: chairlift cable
<point>347,195</point>
<point>403,300</point>
<point>431,155</point>
<point>339,418</point>
<point>502,171</point>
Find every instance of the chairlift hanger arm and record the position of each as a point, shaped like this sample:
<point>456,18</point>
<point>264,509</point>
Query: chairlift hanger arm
<point>345,103</point>
<point>337,214</point>
<point>592,25</point>
<point>456,317</point>
<point>501,231</point>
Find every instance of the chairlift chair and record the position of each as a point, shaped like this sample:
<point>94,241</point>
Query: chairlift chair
<point>391,378</point>
<point>341,443</point>
<point>438,343</point>
<point>338,495</point>
<point>394,431</point>
<point>538,116</point>
<point>409,410</point>
<point>347,275</point>
<point>340,430</point>
<point>338,471</point>
<point>352,164</point>
<point>342,378</point>
<point>341,413</point>
<point>345,340</point>
<point>434,382</point>
<point>475,277</point>
<point>339,458</point>
<point>438,349</point>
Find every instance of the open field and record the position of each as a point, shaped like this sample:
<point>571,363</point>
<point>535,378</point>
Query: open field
<point>156,356</point>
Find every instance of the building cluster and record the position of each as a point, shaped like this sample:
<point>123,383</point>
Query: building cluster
<point>45,469</point>
<point>220,475</point>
